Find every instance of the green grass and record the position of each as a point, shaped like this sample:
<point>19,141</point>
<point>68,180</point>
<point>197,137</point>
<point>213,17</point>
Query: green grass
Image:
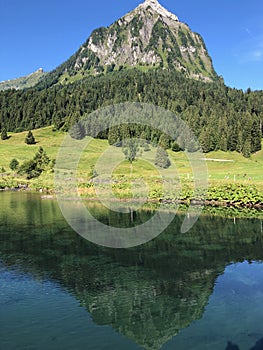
<point>15,146</point>
<point>240,170</point>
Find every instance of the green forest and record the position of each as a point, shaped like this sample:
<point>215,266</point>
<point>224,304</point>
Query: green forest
<point>221,117</point>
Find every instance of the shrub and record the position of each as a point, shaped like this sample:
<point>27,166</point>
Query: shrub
<point>14,164</point>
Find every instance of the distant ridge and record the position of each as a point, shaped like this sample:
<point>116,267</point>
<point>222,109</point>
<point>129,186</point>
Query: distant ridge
<point>23,82</point>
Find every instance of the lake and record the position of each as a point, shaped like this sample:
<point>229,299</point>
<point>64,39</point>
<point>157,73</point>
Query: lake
<point>199,290</point>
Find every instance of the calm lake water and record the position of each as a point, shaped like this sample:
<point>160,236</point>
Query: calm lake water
<point>199,290</point>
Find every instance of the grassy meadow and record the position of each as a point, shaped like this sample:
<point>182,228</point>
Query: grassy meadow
<point>223,167</point>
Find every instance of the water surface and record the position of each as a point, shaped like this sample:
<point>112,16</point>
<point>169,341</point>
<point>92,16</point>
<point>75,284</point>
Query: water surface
<point>199,290</point>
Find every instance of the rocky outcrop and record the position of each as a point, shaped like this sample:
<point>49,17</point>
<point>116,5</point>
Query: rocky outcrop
<point>149,36</point>
<point>23,82</point>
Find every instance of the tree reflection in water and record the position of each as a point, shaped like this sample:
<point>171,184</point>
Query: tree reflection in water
<point>148,293</point>
<point>257,346</point>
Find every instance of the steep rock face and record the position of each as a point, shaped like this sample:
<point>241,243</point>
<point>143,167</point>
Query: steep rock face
<point>148,36</point>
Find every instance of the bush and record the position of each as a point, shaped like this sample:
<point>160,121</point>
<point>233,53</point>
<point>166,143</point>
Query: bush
<point>34,167</point>
<point>30,169</point>
<point>14,164</point>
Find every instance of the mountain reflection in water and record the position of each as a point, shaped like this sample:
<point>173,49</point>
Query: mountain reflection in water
<point>147,293</point>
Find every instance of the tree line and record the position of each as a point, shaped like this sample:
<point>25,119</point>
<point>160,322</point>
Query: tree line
<point>222,118</point>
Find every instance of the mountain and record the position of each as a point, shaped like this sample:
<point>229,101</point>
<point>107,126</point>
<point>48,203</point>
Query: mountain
<point>23,82</point>
<point>149,36</point>
<point>147,56</point>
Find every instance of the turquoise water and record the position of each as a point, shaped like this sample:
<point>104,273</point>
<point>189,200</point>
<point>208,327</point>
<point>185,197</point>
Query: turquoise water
<point>199,290</point>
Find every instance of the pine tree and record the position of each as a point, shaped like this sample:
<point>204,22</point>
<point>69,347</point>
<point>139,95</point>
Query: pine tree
<point>30,140</point>
<point>131,149</point>
<point>77,131</point>
<point>223,143</point>
<point>41,158</point>
<point>175,147</point>
<point>114,137</point>
<point>34,167</point>
<point>4,134</point>
<point>255,136</point>
<point>246,151</point>
<point>29,169</point>
<point>164,141</point>
<point>162,160</point>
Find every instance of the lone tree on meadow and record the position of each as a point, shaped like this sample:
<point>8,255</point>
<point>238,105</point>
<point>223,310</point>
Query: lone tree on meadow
<point>130,149</point>
<point>30,140</point>
<point>162,159</point>
<point>77,131</point>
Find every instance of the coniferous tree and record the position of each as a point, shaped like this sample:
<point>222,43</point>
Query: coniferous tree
<point>34,167</point>
<point>175,147</point>
<point>114,137</point>
<point>131,149</point>
<point>41,158</point>
<point>223,143</point>
<point>162,159</point>
<point>30,139</point>
<point>4,134</point>
<point>77,131</point>
<point>29,169</point>
<point>246,150</point>
<point>164,141</point>
<point>256,136</point>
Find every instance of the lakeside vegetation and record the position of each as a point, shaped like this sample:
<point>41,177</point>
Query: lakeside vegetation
<point>233,179</point>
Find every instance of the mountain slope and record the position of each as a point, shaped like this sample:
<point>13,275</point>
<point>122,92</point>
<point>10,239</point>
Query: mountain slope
<point>149,36</point>
<point>23,82</point>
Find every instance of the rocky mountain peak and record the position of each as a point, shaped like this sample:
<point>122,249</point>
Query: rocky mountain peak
<point>155,5</point>
<point>147,37</point>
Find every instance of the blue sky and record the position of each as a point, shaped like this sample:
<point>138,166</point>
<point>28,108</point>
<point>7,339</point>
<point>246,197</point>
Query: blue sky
<point>45,33</point>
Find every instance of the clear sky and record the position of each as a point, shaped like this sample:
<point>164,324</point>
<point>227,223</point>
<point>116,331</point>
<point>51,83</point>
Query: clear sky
<point>44,33</point>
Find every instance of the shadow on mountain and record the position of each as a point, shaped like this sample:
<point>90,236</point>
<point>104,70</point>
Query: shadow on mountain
<point>147,293</point>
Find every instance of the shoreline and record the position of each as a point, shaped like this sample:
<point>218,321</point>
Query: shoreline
<point>49,194</point>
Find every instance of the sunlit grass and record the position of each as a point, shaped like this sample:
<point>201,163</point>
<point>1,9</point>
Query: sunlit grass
<point>237,168</point>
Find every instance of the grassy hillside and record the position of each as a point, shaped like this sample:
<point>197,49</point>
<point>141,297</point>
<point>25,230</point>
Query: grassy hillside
<point>223,167</point>
<point>23,82</point>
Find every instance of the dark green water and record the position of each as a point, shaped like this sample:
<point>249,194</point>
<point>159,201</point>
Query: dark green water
<point>200,290</point>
